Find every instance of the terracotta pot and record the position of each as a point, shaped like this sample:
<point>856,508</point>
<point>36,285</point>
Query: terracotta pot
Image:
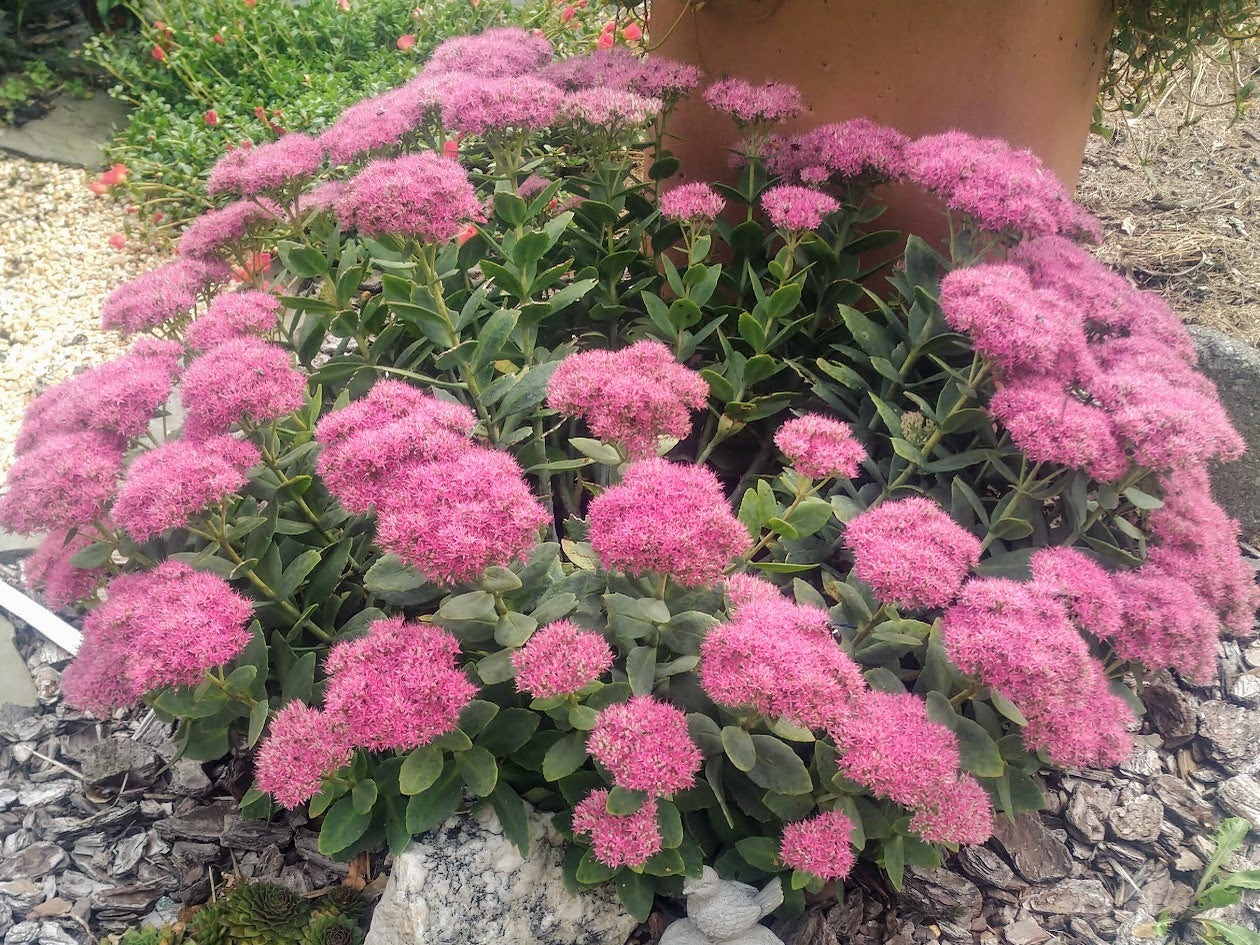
<point>1023,70</point>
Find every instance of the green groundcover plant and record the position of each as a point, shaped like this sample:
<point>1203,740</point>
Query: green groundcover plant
<point>206,77</point>
<point>510,474</point>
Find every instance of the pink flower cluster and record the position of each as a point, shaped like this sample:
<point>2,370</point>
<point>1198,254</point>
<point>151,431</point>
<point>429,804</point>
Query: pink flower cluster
<point>630,397</point>
<point>49,568</point>
<point>1019,640</point>
<point>911,552</point>
<point>645,746</point>
<point>697,203</point>
<point>819,845</point>
<point>65,481</point>
<point>960,813</point>
<point>161,295</point>
<point>398,687</point>
<point>517,104</point>
<point>614,111</point>
<point>618,840</point>
<point>797,209</point>
<point>1002,189</point>
<point>242,380</point>
<point>820,447</point>
<point>163,627</point>
<point>420,195</point>
<point>859,150</point>
<point>268,168</point>
<point>227,227</point>
<point>369,443</point>
<point>376,125</point>
<point>232,315</point>
<point>118,397</point>
<point>651,76</point>
<point>454,518</point>
<point>166,486</point>
<point>501,52</point>
<point>302,746</point>
<point>670,519</point>
<point>754,105</point>
<point>781,659</point>
<point>560,659</point>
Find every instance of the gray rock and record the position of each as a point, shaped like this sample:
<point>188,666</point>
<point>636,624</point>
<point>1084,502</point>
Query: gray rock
<point>1037,853</point>
<point>114,757</point>
<point>1026,930</point>
<point>464,883</point>
<point>1235,367</point>
<point>24,933</point>
<point>939,893</point>
<point>1240,796</point>
<point>982,864</point>
<point>1139,820</point>
<point>1233,735</point>
<point>1171,710</point>
<point>1072,897</point>
<point>200,823</point>
<point>39,859</point>
<point>1088,809</point>
<point>72,133</point>
<point>1183,802</point>
<point>1246,689</point>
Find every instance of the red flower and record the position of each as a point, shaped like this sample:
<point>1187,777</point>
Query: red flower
<point>260,113</point>
<point>406,41</point>
<point>450,148</point>
<point>605,41</point>
<point>117,240</point>
<point>218,39</point>
<point>344,5</point>
<point>257,263</point>
<point>632,33</point>
<point>99,188</point>
<point>158,53</point>
<point>250,3</point>
<point>117,174</point>
<point>567,13</point>
<point>211,117</point>
<point>466,232</point>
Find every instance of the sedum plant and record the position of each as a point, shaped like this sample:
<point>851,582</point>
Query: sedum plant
<point>522,478</point>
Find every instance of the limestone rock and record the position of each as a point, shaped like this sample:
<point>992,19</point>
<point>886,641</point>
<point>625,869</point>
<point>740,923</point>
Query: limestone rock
<point>1233,735</point>
<point>1241,796</point>
<point>1139,820</point>
<point>464,883</point>
<point>1037,853</point>
<point>1072,897</point>
<point>1235,367</point>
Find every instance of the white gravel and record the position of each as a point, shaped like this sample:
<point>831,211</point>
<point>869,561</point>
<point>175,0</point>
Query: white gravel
<point>56,268</point>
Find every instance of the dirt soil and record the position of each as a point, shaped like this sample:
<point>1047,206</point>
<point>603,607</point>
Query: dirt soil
<point>1180,206</point>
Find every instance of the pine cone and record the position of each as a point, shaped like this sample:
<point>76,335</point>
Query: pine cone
<point>340,900</point>
<point>333,930</point>
<point>265,914</point>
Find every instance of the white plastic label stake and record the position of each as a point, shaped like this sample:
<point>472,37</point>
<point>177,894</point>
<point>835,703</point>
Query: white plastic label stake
<point>41,618</point>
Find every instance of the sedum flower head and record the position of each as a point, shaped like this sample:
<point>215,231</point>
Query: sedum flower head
<point>743,588</point>
<point>302,746</point>
<point>1018,327</point>
<point>819,845</point>
<point>851,150</point>
<point>268,168</point>
<point>696,203</point>
<point>369,443</point>
<point>161,295</point>
<point>820,447</point>
<point>888,744</point>
<point>226,228</point>
<point>615,111</point>
<point>65,481</point>
<point>419,195</point>
<point>960,813</point>
<point>167,486</point>
<point>163,627</point>
<point>667,518</point>
<point>750,104</point>
<point>1019,640</point>
<point>487,106</point>
<point>645,745</point>
<point>797,209</point>
<point>560,659</point>
<point>233,315</point>
<point>242,380</point>
<point>1052,424</point>
<point>1003,189</point>
<point>1085,586</point>
<point>911,552</point>
<point>503,51</point>
<point>781,659</point>
<point>49,568</point>
<point>618,840</point>
<point>398,687</point>
<point>374,125</point>
<point>1166,624</point>
<point>631,397</point>
<point>455,517</point>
